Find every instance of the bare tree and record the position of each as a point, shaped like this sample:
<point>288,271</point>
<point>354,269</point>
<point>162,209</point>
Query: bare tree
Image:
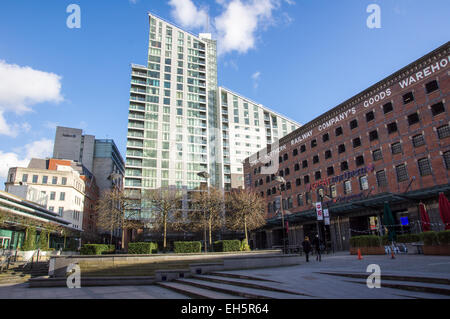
<point>165,204</point>
<point>208,205</point>
<point>118,209</point>
<point>244,211</point>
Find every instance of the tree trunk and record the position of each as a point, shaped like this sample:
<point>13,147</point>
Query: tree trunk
<point>245,230</point>
<point>165,231</point>
<point>210,231</point>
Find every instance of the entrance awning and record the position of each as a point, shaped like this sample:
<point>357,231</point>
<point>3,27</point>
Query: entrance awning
<point>375,202</point>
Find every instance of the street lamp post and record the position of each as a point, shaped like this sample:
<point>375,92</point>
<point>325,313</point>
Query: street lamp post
<point>281,180</point>
<point>205,175</point>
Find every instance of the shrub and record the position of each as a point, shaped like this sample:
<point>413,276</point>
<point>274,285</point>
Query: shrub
<point>408,238</point>
<point>30,239</point>
<point>365,241</point>
<point>227,245</point>
<point>182,247</point>
<point>97,249</point>
<point>444,237</point>
<point>245,246</point>
<point>43,240</point>
<point>143,248</point>
<point>430,238</point>
<point>385,240</point>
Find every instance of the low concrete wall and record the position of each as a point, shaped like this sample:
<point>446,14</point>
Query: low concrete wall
<point>140,265</point>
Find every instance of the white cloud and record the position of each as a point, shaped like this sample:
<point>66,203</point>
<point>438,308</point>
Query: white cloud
<point>187,15</point>
<point>255,78</point>
<point>21,156</point>
<point>22,87</point>
<point>290,2</point>
<point>236,27</point>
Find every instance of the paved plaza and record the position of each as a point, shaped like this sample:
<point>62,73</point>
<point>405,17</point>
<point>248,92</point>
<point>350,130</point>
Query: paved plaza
<point>306,279</point>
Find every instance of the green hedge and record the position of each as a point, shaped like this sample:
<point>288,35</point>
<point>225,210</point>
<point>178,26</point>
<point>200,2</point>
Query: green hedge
<point>143,248</point>
<point>227,245</point>
<point>444,237</point>
<point>366,241</point>
<point>97,249</point>
<point>182,247</point>
<point>430,238</point>
<point>408,238</point>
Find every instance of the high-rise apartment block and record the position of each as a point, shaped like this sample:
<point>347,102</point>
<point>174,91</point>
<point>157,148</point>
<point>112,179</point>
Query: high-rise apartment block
<point>181,123</point>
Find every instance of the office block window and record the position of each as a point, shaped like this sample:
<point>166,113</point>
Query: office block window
<point>359,160</point>
<point>64,181</point>
<point>315,159</point>
<point>25,178</point>
<point>353,124</point>
<point>388,107</point>
<point>402,173</point>
<point>370,116</point>
<point>325,137</point>
<point>298,181</point>
<point>344,166</point>
<point>44,179</point>
<point>341,148</point>
<point>305,163</point>
<point>431,86</point>
<point>443,131</point>
<point>446,156</point>
<point>381,178</point>
<point>299,200</point>
<point>437,108</point>
<point>373,135</point>
<point>330,170</point>
<point>363,183</point>
<point>413,118</point>
<point>377,155</point>
<point>317,175</point>
<point>327,154</point>
<point>306,179</point>
<point>62,196</point>
<point>347,187</point>
<point>424,166</point>
<point>339,131</point>
<point>396,148</point>
<point>55,180</point>
<point>296,167</point>
<point>408,97</point>
<point>35,179</point>
<point>313,143</point>
<point>303,148</point>
<point>356,142</point>
<point>418,140</point>
<point>392,127</point>
<point>333,191</point>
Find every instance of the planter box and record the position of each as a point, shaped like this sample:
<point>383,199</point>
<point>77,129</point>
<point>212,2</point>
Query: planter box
<point>444,250</point>
<point>367,250</point>
<point>431,250</point>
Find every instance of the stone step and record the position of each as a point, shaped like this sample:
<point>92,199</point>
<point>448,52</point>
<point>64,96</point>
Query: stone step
<point>235,290</point>
<point>194,292</point>
<point>231,275</point>
<point>428,288</point>
<point>398,277</point>
<point>249,283</point>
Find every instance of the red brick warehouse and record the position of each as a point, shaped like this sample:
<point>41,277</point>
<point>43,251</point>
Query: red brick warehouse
<point>388,143</point>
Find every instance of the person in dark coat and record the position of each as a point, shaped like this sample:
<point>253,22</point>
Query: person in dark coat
<point>316,244</point>
<point>306,247</point>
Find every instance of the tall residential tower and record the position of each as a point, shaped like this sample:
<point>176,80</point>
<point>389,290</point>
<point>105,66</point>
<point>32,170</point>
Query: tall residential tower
<point>178,123</point>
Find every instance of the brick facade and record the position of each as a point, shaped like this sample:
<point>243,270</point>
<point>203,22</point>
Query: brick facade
<point>426,163</point>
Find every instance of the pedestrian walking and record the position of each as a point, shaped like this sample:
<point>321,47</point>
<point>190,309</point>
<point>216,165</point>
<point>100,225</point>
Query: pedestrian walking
<point>317,244</point>
<point>306,247</point>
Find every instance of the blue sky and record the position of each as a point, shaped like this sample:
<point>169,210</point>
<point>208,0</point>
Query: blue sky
<point>305,57</point>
